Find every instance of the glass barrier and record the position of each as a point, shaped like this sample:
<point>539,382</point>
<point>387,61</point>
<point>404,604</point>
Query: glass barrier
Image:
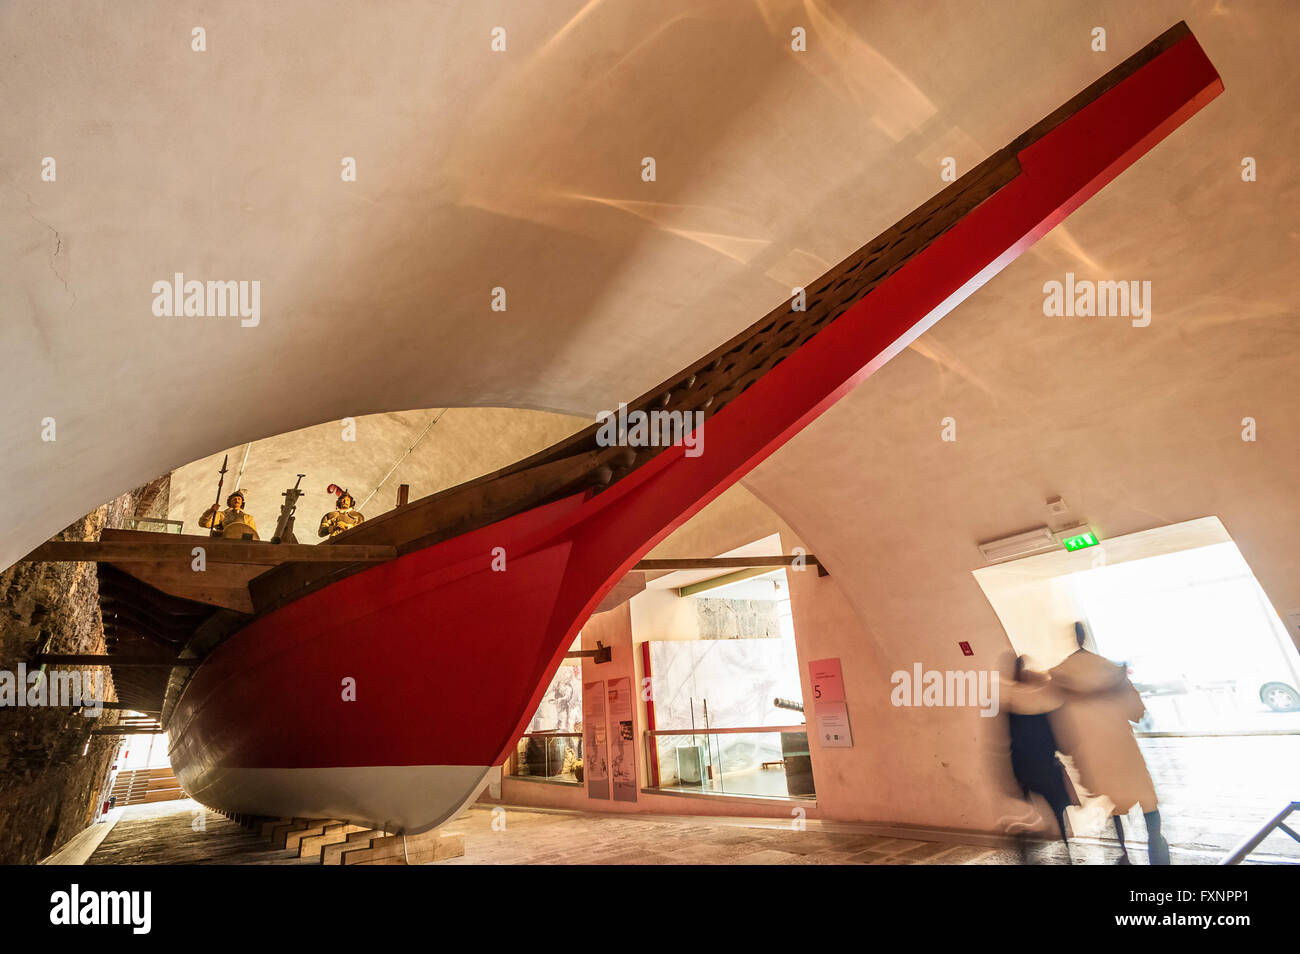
<point>551,755</point>
<point>770,762</point>
<point>155,524</point>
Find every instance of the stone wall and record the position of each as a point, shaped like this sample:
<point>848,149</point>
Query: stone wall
<point>50,778</point>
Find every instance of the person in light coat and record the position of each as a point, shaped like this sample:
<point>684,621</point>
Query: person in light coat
<point>1092,727</point>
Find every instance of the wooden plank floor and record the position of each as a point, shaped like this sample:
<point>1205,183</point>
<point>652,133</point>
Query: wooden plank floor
<point>163,833</point>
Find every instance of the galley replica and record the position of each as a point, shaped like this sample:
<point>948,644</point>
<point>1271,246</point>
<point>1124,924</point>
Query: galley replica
<point>451,613</point>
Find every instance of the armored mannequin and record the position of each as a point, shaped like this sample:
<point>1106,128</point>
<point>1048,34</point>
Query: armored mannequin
<point>234,523</point>
<point>344,516</point>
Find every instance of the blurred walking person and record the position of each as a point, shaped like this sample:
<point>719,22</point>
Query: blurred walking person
<point>1092,727</point>
<point>1029,699</point>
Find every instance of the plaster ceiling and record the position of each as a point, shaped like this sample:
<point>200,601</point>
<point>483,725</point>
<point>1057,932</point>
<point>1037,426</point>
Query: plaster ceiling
<point>522,170</point>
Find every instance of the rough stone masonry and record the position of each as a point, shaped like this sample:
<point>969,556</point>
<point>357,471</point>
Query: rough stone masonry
<point>48,788</point>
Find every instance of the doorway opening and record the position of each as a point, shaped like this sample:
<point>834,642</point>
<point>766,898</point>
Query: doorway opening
<point>720,651</point>
<point>1218,673</point>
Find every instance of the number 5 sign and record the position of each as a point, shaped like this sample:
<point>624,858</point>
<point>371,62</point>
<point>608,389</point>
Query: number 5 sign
<point>827,680</point>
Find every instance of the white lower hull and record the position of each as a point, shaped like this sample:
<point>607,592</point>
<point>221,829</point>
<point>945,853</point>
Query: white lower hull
<point>392,798</point>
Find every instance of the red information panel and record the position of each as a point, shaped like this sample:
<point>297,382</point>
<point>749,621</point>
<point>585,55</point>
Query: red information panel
<point>827,680</point>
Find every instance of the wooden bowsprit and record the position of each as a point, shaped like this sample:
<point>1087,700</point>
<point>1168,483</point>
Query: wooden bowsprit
<point>1040,178</point>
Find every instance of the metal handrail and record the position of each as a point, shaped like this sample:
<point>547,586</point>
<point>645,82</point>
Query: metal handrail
<point>1251,843</point>
<point>736,730</point>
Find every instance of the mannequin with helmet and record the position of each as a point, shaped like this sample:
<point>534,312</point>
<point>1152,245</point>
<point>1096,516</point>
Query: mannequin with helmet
<point>234,523</point>
<point>344,516</point>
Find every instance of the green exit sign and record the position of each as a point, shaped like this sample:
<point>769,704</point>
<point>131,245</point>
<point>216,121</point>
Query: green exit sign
<point>1080,541</point>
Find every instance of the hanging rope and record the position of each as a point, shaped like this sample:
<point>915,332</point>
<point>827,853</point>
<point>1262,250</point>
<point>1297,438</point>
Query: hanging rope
<point>437,417</point>
<point>240,476</point>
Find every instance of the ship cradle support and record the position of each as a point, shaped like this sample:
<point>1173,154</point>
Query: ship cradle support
<point>335,842</point>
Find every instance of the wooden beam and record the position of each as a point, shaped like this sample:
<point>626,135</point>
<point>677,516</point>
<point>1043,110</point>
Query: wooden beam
<point>223,585</point>
<point>108,659</point>
<point>601,654</point>
<point>128,707</point>
<point>713,583</point>
<point>125,589</point>
<point>215,551</point>
<point>629,586</point>
<point>728,563</point>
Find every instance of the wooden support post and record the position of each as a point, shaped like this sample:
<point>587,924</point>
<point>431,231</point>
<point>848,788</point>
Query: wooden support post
<point>293,840</point>
<point>311,845</point>
<point>283,835</point>
<point>416,850</point>
<point>332,854</point>
<point>403,494</point>
<point>266,830</point>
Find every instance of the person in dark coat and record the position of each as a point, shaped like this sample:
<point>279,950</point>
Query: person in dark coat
<point>1034,764</point>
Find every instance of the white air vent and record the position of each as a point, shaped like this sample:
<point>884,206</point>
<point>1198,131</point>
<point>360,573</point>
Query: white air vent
<point>1024,544</point>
